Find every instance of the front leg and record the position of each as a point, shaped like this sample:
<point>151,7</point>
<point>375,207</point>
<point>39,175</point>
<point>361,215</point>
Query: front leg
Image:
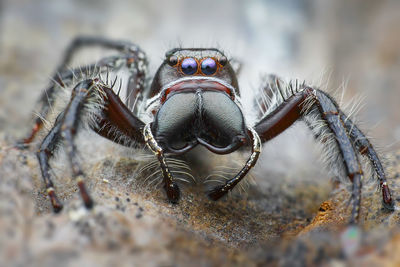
<point>220,191</point>
<point>313,105</point>
<point>172,189</point>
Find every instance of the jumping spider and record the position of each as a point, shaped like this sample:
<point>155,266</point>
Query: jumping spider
<point>194,98</point>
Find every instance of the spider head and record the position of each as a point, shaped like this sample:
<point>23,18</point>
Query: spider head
<point>197,91</point>
<point>194,62</point>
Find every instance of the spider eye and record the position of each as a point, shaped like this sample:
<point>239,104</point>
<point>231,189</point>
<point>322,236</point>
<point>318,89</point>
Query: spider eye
<point>172,60</point>
<point>189,66</point>
<point>208,66</point>
<point>223,60</point>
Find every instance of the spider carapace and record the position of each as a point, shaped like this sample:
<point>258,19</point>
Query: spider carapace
<point>193,99</point>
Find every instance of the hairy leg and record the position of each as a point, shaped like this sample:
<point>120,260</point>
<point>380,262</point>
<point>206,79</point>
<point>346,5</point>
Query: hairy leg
<point>365,147</point>
<point>111,114</point>
<point>298,104</point>
<point>135,61</point>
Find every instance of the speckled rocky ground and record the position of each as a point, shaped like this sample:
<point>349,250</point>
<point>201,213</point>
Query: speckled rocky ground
<point>291,223</point>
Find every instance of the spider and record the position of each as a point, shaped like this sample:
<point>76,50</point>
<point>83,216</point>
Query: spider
<point>193,99</point>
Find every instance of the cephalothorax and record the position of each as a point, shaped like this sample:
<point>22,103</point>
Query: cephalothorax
<point>193,99</point>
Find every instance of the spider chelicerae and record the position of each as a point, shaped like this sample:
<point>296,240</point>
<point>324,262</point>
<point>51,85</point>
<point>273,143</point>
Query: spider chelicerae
<point>194,98</point>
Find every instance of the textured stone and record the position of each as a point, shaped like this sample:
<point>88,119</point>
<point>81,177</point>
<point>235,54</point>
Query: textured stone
<point>134,224</point>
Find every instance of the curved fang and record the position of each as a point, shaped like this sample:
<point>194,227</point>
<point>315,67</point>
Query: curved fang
<point>171,188</point>
<point>219,191</point>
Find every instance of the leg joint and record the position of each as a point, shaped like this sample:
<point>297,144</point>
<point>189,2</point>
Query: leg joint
<point>330,113</point>
<point>353,174</point>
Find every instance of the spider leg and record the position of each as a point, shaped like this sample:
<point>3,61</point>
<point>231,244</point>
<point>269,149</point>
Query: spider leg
<point>365,148</point>
<point>116,122</point>
<point>135,60</point>
<point>172,189</point>
<point>219,191</point>
<point>111,119</point>
<point>65,127</point>
<point>44,153</point>
<point>82,41</point>
<point>137,66</point>
<point>68,132</point>
<point>47,99</point>
<point>331,114</point>
<point>299,105</point>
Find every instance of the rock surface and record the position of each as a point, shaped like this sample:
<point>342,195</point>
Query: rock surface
<point>133,224</point>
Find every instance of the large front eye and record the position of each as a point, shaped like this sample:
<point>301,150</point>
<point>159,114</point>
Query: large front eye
<point>189,66</point>
<point>208,66</point>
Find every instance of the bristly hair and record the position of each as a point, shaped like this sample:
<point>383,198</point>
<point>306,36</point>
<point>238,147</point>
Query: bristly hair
<point>94,104</point>
<point>275,91</point>
<point>150,173</point>
<point>221,174</point>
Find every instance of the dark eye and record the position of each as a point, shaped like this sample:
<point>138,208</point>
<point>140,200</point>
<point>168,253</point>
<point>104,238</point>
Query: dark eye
<point>172,60</point>
<point>189,66</point>
<point>208,66</point>
<point>223,60</point>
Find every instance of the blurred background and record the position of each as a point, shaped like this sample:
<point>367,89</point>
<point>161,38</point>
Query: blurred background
<point>328,43</point>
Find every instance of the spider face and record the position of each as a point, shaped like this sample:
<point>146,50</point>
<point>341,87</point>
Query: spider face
<point>197,103</point>
<point>190,62</point>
